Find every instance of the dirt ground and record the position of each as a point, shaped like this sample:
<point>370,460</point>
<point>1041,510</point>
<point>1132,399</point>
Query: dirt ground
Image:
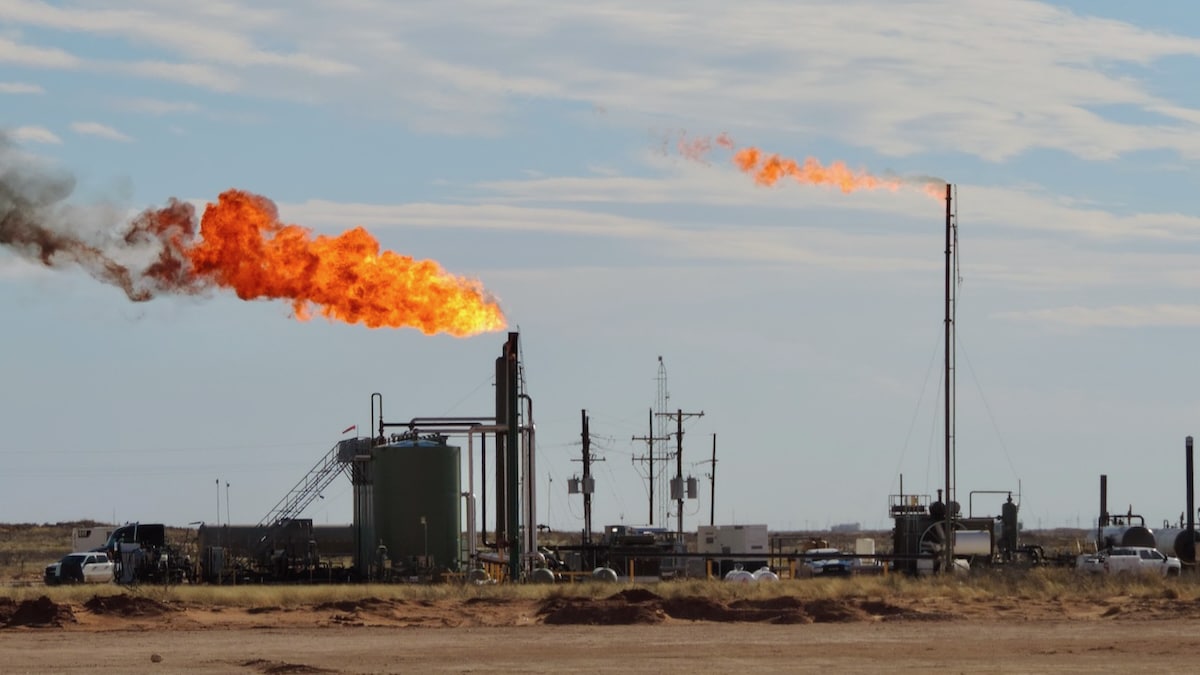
<point>629,631</point>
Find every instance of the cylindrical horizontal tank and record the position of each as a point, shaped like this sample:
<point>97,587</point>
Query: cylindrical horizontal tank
<point>604,574</point>
<point>765,575</point>
<point>973,542</point>
<point>416,492</point>
<point>740,576</point>
<point>1174,541</point>
<point>1126,535</point>
<point>542,575</point>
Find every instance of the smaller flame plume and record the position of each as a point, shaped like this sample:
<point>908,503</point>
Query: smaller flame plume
<point>769,168</point>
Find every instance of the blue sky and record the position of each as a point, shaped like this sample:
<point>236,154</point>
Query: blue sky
<point>531,146</point>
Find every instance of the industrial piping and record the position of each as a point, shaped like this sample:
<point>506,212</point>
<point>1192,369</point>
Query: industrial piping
<point>1190,542</point>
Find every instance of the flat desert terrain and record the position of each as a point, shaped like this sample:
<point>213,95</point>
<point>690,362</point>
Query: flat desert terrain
<point>631,629</point>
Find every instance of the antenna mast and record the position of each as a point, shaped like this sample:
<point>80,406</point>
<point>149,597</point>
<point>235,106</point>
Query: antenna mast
<point>663,433</point>
<point>658,482</point>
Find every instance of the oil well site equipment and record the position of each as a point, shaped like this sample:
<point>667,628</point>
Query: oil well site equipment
<point>408,502</point>
<point>1130,529</point>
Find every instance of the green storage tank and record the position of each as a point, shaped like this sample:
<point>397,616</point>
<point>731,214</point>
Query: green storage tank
<point>417,496</point>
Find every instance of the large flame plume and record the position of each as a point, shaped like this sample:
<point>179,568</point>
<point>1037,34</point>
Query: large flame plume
<point>241,245</point>
<point>769,168</point>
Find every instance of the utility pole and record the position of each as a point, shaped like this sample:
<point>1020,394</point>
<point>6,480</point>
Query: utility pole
<point>587,473</point>
<point>712,484</point>
<point>587,486</point>
<point>650,459</point>
<point>679,415</point>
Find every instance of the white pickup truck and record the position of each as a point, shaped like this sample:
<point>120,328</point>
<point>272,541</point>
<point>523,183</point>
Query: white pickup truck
<point>1139,560</point>
<point>85,567</point>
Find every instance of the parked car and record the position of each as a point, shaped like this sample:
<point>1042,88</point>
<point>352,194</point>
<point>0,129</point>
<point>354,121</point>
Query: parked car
<point>1140,560</point>
<point>84,567</point>
<point>828,562</point>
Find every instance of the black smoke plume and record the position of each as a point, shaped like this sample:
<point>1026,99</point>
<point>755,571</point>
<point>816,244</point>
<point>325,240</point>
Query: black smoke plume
<point>143,256</point>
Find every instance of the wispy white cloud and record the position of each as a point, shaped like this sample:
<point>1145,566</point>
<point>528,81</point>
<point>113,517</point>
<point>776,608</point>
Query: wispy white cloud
<point>154,106</point>
<point>34,56</point>
<point>211,38</point>
<point>34,134</point>
<point>857,72</point>
<point>1119,316</point>
<point>1038,261</point>
<point>194,74</point>
<point>20,88</point>
<point>1014,208</point>
<point>100,131</point>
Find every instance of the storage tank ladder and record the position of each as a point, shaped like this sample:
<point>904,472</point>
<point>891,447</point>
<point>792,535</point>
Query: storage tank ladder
<point>308,489</point>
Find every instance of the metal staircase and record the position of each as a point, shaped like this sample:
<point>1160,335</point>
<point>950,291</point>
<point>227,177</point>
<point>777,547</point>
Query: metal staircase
<point>336,462</point>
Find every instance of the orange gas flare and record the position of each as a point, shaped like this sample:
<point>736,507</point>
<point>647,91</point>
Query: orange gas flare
<point>769,169</point>
<point>347,278</point>
<point>243,247</point>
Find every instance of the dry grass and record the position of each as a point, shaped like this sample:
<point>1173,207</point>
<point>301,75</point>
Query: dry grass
<point>26,548</point>
<point>1045,584</point>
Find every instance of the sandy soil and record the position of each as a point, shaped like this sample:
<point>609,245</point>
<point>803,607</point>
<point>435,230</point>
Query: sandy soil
<point>631,631</point>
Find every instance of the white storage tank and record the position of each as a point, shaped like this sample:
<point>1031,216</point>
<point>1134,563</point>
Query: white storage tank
<point>1126,535</point>
<point>740,576</point>
<point>973,542</point>
<point>764,574</point>
<point>1174,541</point>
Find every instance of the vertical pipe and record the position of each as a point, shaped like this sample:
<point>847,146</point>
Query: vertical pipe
<point>948,544</point>
<point>712,504</point>
<point>483,489</point>
<point>376,396</point>
<point>587,472</point>
<point>679,472</point>
<point>512,460</point>
<point>651,446</point>
<point>529,434</point>
<point>1102,521</point>
<point>1191,500</point>
<point>501,473</point>
<point>472,546</point>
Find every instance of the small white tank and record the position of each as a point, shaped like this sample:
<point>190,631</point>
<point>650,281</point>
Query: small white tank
<point>973,542</point>
<point>764,574</point>
<point>605,574</point>
<point>739,576</point>
<point>542,575</point>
